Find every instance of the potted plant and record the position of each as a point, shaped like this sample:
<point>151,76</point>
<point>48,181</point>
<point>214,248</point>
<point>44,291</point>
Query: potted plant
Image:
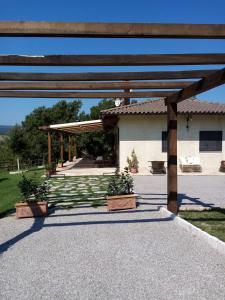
<point>120,191</point>
<point>34,203</point>
<point>50,169</point>
<point>133,162</point>
<point>60,163</point>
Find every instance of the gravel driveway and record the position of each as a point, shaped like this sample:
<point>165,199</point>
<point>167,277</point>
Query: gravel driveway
<point>87,253</point>
<point>194,191</point>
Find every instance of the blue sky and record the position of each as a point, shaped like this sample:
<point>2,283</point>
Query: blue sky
<point>172,11</point>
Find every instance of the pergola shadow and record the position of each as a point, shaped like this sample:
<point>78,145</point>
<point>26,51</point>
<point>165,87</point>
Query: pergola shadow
<point>39,223</point>
<point>149,199</point>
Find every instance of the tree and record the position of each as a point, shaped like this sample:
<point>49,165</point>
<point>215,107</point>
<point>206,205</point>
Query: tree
<point>97,143</point>
<point>31,141</point>
<point>17,141</point>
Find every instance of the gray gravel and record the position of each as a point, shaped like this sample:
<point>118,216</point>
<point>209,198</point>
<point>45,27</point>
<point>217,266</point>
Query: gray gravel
<point>87,253</point>
<point>194,191</point>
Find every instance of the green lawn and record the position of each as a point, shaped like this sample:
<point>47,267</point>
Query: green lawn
<point>9,191</point>
<point>68,192</point>
<point>211,221</point>
<point>65,192</point>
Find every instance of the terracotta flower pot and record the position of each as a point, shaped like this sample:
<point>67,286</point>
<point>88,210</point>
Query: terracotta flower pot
<point>121,202</point>
<point>31,209</point>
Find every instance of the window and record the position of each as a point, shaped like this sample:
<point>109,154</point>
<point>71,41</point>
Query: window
<point>164,141</point>
<point>210,141</point>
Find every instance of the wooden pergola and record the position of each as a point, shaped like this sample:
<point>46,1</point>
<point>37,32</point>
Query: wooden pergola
<point>100,85</point>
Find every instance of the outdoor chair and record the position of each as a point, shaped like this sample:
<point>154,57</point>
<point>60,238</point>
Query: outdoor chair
<point>190,164</point>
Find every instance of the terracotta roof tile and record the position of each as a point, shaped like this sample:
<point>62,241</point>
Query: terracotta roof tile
<point>158,107</point>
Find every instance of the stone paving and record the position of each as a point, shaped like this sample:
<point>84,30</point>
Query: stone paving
<point>71,192</point>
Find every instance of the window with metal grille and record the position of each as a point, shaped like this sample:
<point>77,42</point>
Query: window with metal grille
<point>164,141</point>
<point>210,141</point>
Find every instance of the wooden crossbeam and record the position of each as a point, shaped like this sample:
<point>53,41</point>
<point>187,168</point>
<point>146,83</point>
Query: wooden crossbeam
<point>105,76</point>
<point>87,95</point>
<point>213,80</point>
<point>92,85</point>
<point>114,60</point>
<point>125,30</point>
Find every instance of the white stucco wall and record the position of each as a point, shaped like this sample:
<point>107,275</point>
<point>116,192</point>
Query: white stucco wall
<point>144,133</point>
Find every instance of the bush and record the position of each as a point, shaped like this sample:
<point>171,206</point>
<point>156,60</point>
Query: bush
<point>29,187</point>
<point>121,184</point>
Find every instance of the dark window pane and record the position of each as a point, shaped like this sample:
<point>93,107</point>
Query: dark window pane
<point>210,140</point>
<point>164,141</point>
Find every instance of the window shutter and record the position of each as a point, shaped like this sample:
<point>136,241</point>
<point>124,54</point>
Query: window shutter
<point>164,141</point>
<point>210,141</point>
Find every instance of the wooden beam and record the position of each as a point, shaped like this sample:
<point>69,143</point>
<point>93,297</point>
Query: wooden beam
<point>105,76</point>
<point>49,147</point>
<point>112,30</point>
<point>87,95</point>
<point>172,203</point>
<point>93,85</point>
<point>213,80</point>
<point>113,60</point>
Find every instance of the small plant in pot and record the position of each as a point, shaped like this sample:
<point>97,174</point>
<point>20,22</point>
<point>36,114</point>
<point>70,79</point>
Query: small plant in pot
<point>34,203</point>
<point>133,162</point>
<point>60,163</point>
<point>50,169</point>
<point>120,191</point>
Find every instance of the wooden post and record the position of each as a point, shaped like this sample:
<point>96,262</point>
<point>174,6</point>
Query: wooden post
<point>127,100</point>
<point>75,148</point>
<point>69,149</point>
<point>172,203</point>
<point>61,146</point>
<point>49,147</point>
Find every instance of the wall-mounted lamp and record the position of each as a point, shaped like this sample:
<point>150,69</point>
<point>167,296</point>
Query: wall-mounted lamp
<point>188,120</point>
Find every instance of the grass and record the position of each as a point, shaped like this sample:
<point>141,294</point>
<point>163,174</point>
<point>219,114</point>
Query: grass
<point>9,191</point>
<point>211,221</point>
<point>76,191</point>
<point>66,192</point>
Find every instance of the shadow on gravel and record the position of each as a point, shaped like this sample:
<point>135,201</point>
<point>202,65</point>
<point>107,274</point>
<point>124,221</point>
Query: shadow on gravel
<point>37,225</point>
<point>109,222</point>
<point>51,215</point>
<point>183,199</point>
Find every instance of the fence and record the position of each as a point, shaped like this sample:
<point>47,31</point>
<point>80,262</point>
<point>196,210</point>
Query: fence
<point>24,165</point>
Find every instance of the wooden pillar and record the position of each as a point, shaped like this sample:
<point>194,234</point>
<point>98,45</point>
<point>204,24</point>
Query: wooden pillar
<point>61,146</point>
<point>75,148</point>
<point>69,149</point>
<point>172,203</point>
<point>127,100</point>
<point>49,147</point>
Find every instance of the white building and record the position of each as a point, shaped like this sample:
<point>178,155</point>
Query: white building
<point>142,127</point>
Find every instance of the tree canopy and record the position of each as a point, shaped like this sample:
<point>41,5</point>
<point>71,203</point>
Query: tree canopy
<point>28,141</point>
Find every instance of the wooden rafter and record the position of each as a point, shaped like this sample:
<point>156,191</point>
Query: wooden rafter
<point>93,85</point>
<point>213,80</point>
<point>125,30</point>
<point>114,60</point>
<point>87,95</point>
<point>105,76</point>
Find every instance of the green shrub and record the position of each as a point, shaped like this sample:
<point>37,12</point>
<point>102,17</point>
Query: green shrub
<point>120,184</point>
<point>29,187</point>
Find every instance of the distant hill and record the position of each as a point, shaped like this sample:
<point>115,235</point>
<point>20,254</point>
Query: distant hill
<point>4,129</point>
